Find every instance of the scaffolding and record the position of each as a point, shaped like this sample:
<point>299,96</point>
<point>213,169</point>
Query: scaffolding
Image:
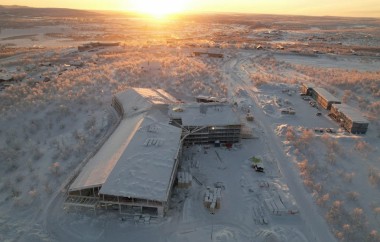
<point>227,134</point>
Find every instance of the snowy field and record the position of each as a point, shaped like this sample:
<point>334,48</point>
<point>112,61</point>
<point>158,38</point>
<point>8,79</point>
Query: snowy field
<point>56,114</point>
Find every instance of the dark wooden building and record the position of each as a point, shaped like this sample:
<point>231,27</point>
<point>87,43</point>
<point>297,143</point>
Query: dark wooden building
<point>349,118</point>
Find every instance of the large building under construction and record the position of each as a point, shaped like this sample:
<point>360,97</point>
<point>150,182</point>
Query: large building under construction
<point>135,169</point>
<point>205,123</point>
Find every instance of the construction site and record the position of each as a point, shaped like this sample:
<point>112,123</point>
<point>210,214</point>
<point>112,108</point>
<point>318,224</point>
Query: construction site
<point>136,168</point>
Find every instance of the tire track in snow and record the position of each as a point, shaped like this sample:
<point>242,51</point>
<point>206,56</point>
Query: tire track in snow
<point>314,222</point>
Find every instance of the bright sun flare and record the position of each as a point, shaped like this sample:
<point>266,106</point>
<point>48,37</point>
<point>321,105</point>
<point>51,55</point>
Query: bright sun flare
<point>158,8</point>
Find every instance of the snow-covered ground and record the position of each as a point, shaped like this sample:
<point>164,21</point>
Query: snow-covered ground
<point>317,187</point>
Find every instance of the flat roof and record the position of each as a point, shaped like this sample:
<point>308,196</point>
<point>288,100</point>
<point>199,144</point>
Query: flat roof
<point>308,84</point>
<point>136,100</point>
<point>213,99</point>
<point>145,168</point>
<point>6,76</point>
<point>326,95</point>
<point>353,114</point>
<point>98,168</point>
<point>205,114</point>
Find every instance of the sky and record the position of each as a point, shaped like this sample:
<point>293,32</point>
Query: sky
<point>354,8</point>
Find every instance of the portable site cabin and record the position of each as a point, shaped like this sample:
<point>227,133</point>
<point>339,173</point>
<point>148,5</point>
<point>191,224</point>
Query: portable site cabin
<point>351,119</point>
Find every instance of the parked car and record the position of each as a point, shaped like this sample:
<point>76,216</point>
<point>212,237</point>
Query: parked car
<point>319,130</point>
<point>258,168</point>
<point>319,114</point>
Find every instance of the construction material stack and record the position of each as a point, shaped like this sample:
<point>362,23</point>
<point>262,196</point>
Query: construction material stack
<point>184,179</point>
<point>212,199</point>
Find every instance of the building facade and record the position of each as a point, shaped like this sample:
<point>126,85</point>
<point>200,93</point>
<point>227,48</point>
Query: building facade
<point>207,123</point>
<point>307,88</point>
<point>349,118</point>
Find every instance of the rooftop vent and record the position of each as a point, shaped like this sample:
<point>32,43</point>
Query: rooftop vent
<point>153,142</point>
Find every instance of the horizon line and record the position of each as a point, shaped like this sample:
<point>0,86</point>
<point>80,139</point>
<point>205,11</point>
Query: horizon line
<point>191,12</point>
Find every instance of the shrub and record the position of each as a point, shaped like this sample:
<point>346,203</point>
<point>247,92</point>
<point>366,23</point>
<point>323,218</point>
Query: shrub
<point>357,213</point>
<point>362,146</point>
<point>304,140</point>
<point>373,236</point>
<point>290,134</point>
<point>334,214</point>
<point>353,196</point>
<point>55,167</point>
<point>32,193</point>
<point>348,177</point>
<point>376,210</point>
<point>347,95</point>
<point>374,176</point>
<point>303,165</point>
<point>339,235</point>
<point>323,199</point>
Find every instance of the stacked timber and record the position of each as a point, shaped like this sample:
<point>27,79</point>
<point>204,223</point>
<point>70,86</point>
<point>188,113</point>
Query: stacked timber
<point>212,199</point>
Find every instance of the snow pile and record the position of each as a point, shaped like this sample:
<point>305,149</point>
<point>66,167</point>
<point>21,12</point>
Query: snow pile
<point>280,233</point>
<point>268,108</point>
<point>281,130</point>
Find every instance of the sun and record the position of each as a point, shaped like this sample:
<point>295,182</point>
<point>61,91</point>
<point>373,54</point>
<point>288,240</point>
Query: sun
<point>158,8</point>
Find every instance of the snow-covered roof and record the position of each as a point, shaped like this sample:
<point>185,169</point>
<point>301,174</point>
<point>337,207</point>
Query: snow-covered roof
<point>138,158</point>
<point>6,77</point>
<point>136,100</point>
<point>308,85</point>
<point>211,99</point>
<point>351,113</point>
<point>145,168</point>
<point>205,114</point>
<point>325,94</point>
<point>98,168</point>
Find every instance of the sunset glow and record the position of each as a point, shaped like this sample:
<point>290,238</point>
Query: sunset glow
<point>158,9</point>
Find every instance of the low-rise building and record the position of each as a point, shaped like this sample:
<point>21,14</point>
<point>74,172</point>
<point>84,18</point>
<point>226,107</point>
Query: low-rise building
<point>349,118</point>
<point>4,77</point>
<point>307,88</point>
<point>210,99</point>
<point>324,98</point>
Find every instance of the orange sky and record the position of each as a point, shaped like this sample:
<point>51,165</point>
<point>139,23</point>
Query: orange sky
<point>364,8</point>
